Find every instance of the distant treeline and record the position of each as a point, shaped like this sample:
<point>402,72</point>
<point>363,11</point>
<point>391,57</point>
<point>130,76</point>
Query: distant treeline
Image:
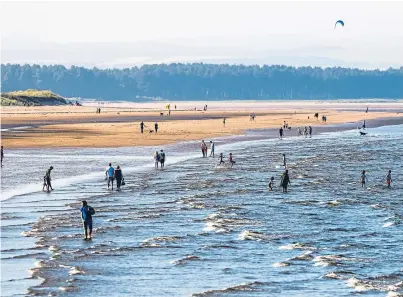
<point>200,81</point>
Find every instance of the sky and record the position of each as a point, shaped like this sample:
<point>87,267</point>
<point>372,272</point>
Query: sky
<point>125,34</point>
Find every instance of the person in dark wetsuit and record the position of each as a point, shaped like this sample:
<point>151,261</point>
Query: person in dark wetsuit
<point>284,161</point>
<point>2,156</point>
<point>310,131</point>
<point>86,215</point>
<point>48,179</point>
<point>363,125</point>
<point>281,133</point>
<point>156,127</point>
<point>363,178</point>
<point>142,125</point>
<point>118,176</point>
<point>162,158</point>
<point>285,181</point>
<point>221,159</point>
<point>389,178</point>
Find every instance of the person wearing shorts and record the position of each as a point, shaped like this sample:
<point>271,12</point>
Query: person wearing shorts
<point>86,216</point>
<point>109,175</point>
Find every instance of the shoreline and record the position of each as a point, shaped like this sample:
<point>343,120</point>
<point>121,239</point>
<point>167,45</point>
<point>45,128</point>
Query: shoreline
<point>72,127</point>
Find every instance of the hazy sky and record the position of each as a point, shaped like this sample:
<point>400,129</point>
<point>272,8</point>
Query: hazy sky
<point>124,34</point>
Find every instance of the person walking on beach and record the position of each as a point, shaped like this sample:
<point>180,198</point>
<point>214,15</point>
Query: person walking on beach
<point>142,125</point>
<point>109,175</point>
<point>86,215</point>
<point>156,127</point>
<point>223,121</point>
<point>281,132</point>
<point>389,178</point>
<point>284,161</point>
<point>156,159</point>
<point>271,183</point>
<point>363,178</point>
<point>162,158</point>
<point>48,179</point>
<point>212,149</point>
<point>175,106</point>
<point>231,160</point>
<point>310,131</point>
<point>285,181</point>
<point>2,156</point>
<point>118,175</point>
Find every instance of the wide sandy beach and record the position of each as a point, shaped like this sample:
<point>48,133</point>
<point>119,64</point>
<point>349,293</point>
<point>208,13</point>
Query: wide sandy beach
<point>118,124</point>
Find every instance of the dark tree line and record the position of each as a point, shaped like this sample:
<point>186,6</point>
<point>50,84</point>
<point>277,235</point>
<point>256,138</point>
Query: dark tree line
<point>200,81</point>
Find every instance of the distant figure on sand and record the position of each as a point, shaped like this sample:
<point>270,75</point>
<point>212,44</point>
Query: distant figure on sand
<point>162,158</point>
<point>2,156</point>
<point>285,181</point>
<point>389,178</point>
<point>156,127</point>
<point>363,178</point>
<point>156,159</point>
<point>109,175</point>
<point>142,125</point>
<point>48,179</point>
<point>281,132</point>
<point>86,215</point>
<point>118,175</point>
<point>212,148</point>
<point>231,160</point>
<point>223,121</point>
<point>366,110</point>
<point>271,183</point>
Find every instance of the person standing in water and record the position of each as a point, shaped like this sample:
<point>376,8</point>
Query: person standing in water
<point>48,179</point>
<point>162,158</point>
<point>310,131</point>
<point>156,127</point>
<point>284,161</point>
<point>298,131</point>
<point>285,181</point>
<point>271,183</point>
<point>109,175</point>
<point>211,148</point>
<point>118,175</point>
<point>2,156</point>
<point>305,131</point>
<point>203,147</point>
<point>86,215</point>
<point>230,159</point>
<point>389,178</point>
<point>281,132</point>
<point>142,125</point>
<point>363,178</point>
<point>156,159</point>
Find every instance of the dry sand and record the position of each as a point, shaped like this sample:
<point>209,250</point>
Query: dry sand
<point>119,124</point>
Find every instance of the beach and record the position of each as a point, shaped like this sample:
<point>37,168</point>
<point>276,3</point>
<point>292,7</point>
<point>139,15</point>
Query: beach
<point>118,124</point>
<point>199,229</point>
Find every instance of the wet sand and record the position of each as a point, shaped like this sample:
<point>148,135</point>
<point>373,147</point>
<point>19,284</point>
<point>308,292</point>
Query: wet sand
<point>118,125</point>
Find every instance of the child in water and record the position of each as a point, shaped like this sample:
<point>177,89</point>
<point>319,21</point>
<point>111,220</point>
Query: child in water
<point>363,178</point>
<point>230,159</point>
<point>44,183</point>
<point>271,183</point>
<point>221,159</point>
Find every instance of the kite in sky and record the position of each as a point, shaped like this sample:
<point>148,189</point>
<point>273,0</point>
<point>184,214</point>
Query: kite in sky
<point>339,22</point>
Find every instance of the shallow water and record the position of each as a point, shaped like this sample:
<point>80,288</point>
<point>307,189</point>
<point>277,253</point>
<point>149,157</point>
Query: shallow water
<point>196,229</point>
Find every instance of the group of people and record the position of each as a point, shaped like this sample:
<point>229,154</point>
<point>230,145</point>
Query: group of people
<point>159,159</point>
<point>204,148</point>
<point>98,110</point>
<point>388,178</point>
<point>205,107</point>
<point>112,174</point>
<point>230,159</point>
<point>47,181</point>
<point>307,131</point>
<point>142,126</point>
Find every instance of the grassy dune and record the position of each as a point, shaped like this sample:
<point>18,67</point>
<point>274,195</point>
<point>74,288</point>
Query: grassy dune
<point>31,98</point>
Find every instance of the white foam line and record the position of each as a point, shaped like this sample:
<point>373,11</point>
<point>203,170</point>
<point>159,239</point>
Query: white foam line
<point>63,182</point>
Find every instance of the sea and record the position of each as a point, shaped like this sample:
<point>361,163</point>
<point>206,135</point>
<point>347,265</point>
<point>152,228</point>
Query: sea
<point>199,229</point>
